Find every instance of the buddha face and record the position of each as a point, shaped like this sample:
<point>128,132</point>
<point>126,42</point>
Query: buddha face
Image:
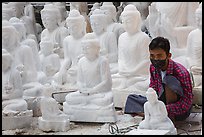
<point>97,24</point>
<point>49,21</point>
<point>90,51</point>
<point>76,27</point>
<point>130,23</point>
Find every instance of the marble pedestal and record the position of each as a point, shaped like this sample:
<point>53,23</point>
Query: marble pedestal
<point>22,120</point>
<point>48,125</point>
<point>90,113</point>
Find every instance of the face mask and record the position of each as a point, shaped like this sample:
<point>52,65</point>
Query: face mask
<point>158,64</point>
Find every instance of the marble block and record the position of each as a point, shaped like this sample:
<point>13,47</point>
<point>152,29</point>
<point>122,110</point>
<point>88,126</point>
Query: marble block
<point>22,120</point>
<point>46,125</point>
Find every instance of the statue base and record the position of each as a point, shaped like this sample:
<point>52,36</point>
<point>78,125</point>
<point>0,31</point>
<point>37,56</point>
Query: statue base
<point>90,113</point>
<point>57,126</point>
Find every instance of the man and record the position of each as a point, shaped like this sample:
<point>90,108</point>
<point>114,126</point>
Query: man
<point>170,79</point>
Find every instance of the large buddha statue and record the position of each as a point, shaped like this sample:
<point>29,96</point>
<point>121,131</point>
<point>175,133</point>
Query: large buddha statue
<point>156,116</point>
<point>108,41</point>
<point>51,19</point>
<point>133,61</point>
<point>93,102</point>
<point>72,50</point>
<point>14,107</point>
<point>112,24</point>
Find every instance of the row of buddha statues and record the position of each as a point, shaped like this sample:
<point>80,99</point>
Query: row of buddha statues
<point>101,56</point>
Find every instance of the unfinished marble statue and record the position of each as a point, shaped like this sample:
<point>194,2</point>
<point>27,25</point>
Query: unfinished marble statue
<point>14,107</point>
<point>51,19</point>
<point>133,52</point>
<point>93,102</point>
<point>50,61</point>
<point>180,19</point>
<point>82,7</point>
<point>156,116</point>
<point>194,56</point>
<point>108,41</point>
<point>72,50</point>
<point>112,24</point>
<point>52,119</point>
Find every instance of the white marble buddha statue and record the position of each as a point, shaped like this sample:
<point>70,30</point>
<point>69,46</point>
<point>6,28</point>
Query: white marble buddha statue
<point>50,61</point>
<point>112,24</point>
<point>108,41</point>
<point>72,49</point>
<point>133,61</point>
<point>93,102</point>
<point>156,115</point>
<point>12,91</point>
<point>51,19</point>
<point>52,119</point>
<point>194,56</point>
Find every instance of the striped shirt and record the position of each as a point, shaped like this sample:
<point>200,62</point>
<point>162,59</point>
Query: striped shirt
<point>181,73</point>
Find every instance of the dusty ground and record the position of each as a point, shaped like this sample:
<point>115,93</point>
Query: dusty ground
<point>125,123</point>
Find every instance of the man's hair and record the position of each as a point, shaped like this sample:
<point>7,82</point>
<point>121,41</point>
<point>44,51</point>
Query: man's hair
<point>160,43</point>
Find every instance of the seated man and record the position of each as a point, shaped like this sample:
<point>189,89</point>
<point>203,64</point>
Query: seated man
<point>156,116</point>
<point>93,102</point>
<point>171,81</point>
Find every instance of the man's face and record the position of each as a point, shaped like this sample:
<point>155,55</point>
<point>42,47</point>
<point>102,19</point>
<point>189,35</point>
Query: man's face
<point>158,54</point>
<point>159,57</point>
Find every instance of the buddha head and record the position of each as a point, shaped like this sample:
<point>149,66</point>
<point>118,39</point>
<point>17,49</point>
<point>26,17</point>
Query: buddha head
<point>151,96</point>
<point>131,19</point>
<point>110,11</point>
<point>20,27</point>
<point>18,8</point>
<point>98,21</point>
<point>51,17</point>
<point>76,24</point>
<point>91,46</point>
<point>10,36</point>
